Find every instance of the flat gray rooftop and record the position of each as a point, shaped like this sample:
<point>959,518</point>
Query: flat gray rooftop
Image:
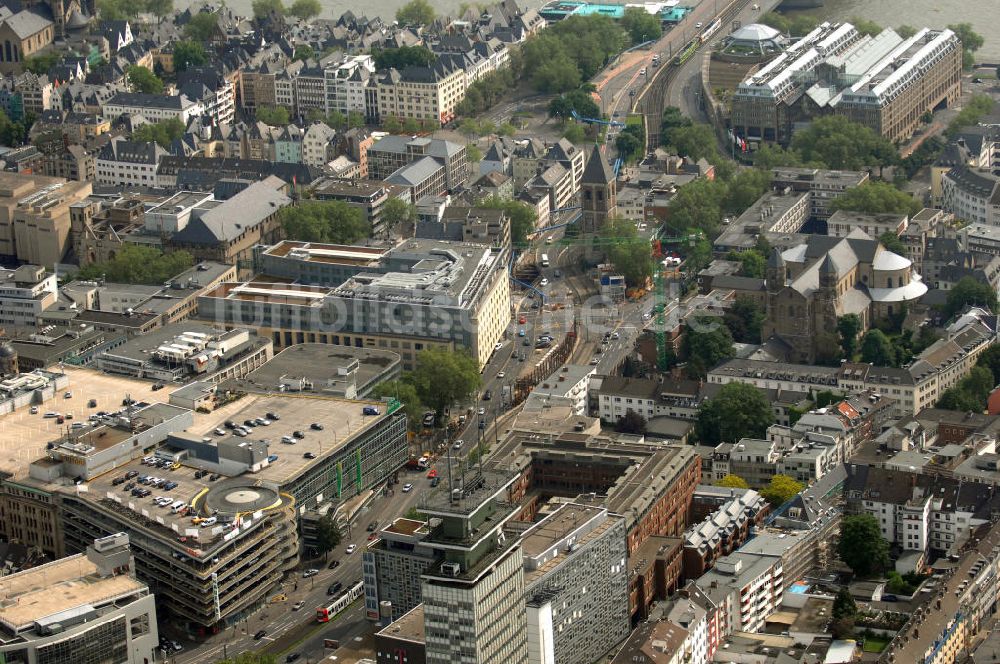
<point>318,363</point>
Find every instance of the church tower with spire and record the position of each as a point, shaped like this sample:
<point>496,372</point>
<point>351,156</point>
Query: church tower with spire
<point>598,192</point>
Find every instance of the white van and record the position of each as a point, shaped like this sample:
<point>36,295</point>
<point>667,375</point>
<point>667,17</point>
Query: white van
<point>177,506</point>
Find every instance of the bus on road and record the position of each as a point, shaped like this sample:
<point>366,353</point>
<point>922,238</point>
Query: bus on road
<point>545,260</point>
<point>326,613</point>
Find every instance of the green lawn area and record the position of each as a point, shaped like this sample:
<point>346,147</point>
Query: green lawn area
<point>874,644</point>
<point>634,120</point>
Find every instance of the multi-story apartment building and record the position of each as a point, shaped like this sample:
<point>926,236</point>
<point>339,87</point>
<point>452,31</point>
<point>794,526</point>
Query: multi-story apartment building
<point>389,154</point>
<point>317,144</point>
<point>723,530</point>
<point>24,294</point>
<point>746,588</point>
<point>124,163</point>
<point>923,513</point>
<point>89,607</point>
<point>346,83</point>
<point>460,298</point>
<point>972,194</point>
<point>674,397</point>
<point>575,584</point>
<point>154,108</point>
<point>841,223</point>
<point>885,82</point>
<point>823,186</point>
<point>369,197</point>
<point>310,90</point>
<point>774,213</point>
<point>464,561</point>
<point>425,94</point>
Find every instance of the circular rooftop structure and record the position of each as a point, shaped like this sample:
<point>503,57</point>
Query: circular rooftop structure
<point>755,32</point>
<point>239,496</point>
<point>755,41</point>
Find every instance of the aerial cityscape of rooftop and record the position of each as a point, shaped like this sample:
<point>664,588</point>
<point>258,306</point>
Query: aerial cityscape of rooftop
<point>512,332</point>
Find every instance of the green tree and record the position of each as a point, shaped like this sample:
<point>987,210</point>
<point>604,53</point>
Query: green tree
<point>135,264</point>
<point>305,9</point>
<point>877,349</point>
<point>324,221</point>
<point>416,12</point>
<point>838,143</point>
<point>696,141</point>
<point>444,377</point>
<point>706,343</point>
<point>844,605</point>
<point>559,75</point>
<point>143,80</point>
<point>861,545</point>
<point>875,197</point>
<point>265,8</point>
<point>745,319</point>
<point>474,154</point>
<point>304,52</point>
<point>955,398</point>
<point>275,116</point>
<point>970,291</point>
<point>574,102</point>
<point>250,658</point>
<point>40,64</point>
<point>160,8</point>
<point>697,205</point>
<point>632,422</point>
<point>990,359</point>
<point>201,27</point>
<point>188,54</point>
<point>892,242</point>
<point>392,125</point>
<point>403,391</point>
<point>163,133</point>
<point>769,156</point>
<point>355,119</point>
<point>744,188</point>
<point>570,52</point>
<point>574,133</point>
<point>629,146</point>
<point>327,535</point>
<point>629,253</point>
<point>848,328</point>
<point>672,118</point>
<point>752,262</point>
<point>781,489</point>
<point>906,31</point>
<point>865,27</point>
<point>396,213</point>
<point>738,410</point>
<point>522,217</point>
<point>971,42</point>
<point>640,25</point>
<point>977,106</point>
<point>116,10</point>
<point>733,482</point>
<point>506,129</point>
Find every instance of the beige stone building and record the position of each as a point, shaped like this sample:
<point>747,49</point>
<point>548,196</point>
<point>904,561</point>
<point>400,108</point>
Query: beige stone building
<point>427,94</point>
<point>34,216</point>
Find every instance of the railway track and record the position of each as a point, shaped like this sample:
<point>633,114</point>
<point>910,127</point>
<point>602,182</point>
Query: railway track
<point>651,101</point>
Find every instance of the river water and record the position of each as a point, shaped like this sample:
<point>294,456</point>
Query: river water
<point>982,14</point>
